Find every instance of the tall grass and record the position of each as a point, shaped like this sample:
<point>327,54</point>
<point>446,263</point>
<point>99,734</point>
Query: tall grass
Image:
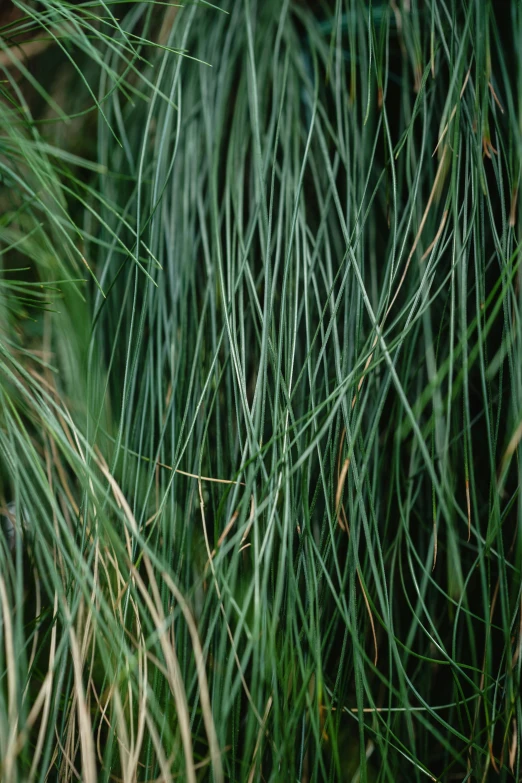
<point>260,391</point>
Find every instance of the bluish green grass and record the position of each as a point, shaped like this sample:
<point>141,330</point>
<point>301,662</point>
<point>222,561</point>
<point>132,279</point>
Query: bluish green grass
<point>260,392</point>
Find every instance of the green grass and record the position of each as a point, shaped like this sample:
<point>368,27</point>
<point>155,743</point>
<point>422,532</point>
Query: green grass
<point>261,391</point>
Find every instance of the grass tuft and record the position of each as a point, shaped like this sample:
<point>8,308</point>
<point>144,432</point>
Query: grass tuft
<point>260,391</point>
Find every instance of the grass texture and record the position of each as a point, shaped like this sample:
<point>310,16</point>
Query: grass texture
<point>260,391</point>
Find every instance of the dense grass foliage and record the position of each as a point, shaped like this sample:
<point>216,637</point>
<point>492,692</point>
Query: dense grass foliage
<point>260,391</point>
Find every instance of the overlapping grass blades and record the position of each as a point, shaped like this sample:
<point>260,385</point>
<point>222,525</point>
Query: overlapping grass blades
<point>260,392</point>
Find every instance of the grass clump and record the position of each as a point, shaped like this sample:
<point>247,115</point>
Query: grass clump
<point>260,391</point>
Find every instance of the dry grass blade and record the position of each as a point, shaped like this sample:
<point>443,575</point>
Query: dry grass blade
<point>9,742</point>
<point>175,679</point>
<point>206,707</point>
